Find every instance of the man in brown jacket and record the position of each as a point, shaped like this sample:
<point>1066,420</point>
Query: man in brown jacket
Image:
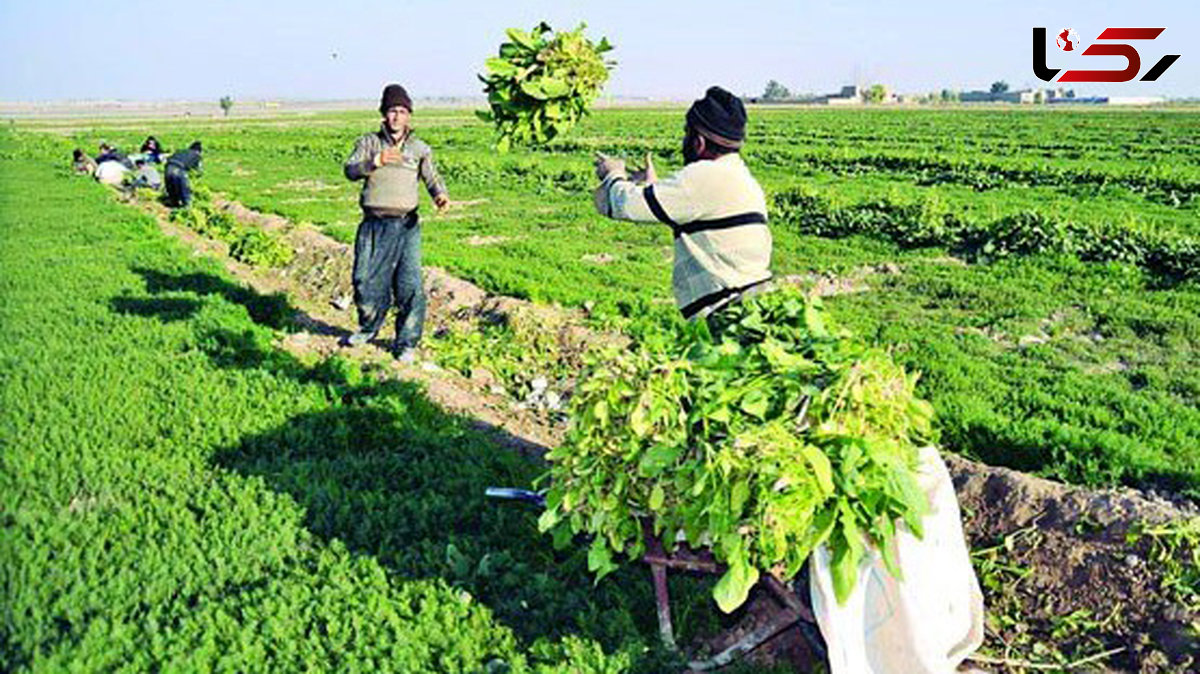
<point>387,248</point>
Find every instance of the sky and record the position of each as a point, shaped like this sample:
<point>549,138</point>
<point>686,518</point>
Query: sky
<point>348,49</point>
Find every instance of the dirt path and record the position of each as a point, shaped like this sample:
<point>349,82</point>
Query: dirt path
<point>1064,569</point>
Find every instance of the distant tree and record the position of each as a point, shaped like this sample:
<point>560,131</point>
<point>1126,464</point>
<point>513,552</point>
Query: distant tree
<point>1070,93</point>
<point>776,92</point>
<point>949,96</point>
<point>1039,96</point>
<point>999,87</point>
<point>226,104</point>
<point>876,93</point>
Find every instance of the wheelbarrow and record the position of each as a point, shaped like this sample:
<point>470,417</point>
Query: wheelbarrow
<point>793,609</point>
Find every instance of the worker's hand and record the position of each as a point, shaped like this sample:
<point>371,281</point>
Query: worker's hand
<point>646,175</point>
<point>606,166</point>
<point>441,201</point>
<point>390,155</point>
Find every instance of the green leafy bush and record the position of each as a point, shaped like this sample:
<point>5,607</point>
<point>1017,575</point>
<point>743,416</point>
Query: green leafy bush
<point>246,244</point>
<point>777,437</point>
<point>259,248</point>
<point>542,83</point>
<point>1026,233</point>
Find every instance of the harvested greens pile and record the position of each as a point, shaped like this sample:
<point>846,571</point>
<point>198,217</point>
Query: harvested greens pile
<point>778,437</point>
<point>542,83</point>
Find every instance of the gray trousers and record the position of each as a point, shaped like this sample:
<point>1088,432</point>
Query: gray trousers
<point>387,271</point>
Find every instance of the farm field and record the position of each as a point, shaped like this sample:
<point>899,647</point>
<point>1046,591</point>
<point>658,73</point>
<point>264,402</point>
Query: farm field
<point>1038,267</point>
<point>178,494</point>
<point>181,493</point>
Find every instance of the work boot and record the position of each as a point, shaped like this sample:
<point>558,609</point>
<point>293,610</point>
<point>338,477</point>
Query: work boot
<point>406,355</point>
<point>358,338</point>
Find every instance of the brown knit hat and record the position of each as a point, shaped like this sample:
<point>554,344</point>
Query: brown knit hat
<point>393,95</point>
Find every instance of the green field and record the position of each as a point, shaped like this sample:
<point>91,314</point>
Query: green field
<point>179,494</point>
<point>1048,260</point>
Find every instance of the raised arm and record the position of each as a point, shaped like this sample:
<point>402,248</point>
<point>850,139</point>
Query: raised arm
<point>667,201</point>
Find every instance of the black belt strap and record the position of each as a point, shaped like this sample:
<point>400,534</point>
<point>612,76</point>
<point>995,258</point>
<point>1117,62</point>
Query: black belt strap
<point>713,298</point>
<point>721,223</point>
<point>657,209</point>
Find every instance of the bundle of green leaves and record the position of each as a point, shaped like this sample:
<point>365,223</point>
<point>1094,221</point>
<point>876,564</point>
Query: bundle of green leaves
<point>542,83</point>
<point>779,435</point>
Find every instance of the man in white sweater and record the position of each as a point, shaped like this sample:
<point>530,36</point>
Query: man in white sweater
<point>715,208</point>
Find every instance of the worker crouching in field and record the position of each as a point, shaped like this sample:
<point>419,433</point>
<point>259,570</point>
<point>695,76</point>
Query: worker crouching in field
<point>82,164</point>
<point>714,207</point>
<point>179,190</point>
<point>145,175</point>
<point>387,248</point>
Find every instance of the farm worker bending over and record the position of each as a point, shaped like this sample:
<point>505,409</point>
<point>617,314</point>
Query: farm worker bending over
<point>387,248</point>
<point>179,190</point>
<point>110,153</point>
<point>146,175</point>
<point>713,205</point>
<point>81,163</point>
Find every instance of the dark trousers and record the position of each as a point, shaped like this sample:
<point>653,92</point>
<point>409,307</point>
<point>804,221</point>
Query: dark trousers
<point>179,192</point>
<point>387,269</point>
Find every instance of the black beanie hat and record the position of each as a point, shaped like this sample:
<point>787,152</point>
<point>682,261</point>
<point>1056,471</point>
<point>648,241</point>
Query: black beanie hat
<point>393,95</point>
<point>721,114</point>
<point>196,146</point>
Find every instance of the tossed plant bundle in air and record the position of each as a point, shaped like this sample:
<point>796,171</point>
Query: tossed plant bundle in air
<point>781,436</point>
<point>542,83</point>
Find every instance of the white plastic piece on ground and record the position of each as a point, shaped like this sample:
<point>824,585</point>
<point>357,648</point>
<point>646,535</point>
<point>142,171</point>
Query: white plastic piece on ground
<point>930,621</point>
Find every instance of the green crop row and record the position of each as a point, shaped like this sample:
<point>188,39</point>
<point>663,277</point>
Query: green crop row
<point>981,176</point>
<point>250,245</point>
<point>1027,233</point>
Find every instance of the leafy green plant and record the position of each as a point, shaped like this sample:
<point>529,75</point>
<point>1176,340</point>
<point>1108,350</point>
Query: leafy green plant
<point>1024,233</point>
<point>542,83</point>
<point>246,244</point>
<point>777,437</point>
<point>260,248</point>
<point>1175,549</point>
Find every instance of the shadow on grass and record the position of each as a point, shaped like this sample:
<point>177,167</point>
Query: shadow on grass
<point>273,310</point>
<point>392,476</point>
<point>165,309</point>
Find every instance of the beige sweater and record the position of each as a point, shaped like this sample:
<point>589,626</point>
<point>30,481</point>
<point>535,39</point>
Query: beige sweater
<point>718,214</point>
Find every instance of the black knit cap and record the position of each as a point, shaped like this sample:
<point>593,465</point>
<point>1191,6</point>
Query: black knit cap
<point>720,113</point>
<point>393,95</point>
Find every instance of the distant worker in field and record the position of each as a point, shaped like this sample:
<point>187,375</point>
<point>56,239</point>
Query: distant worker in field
<point>714,207</point>
<point>111,153</point>
<point>81,163</point>
<point>387,248</point>
<point>145,175</point>
<point>111,172</point>
<point>152,150</point>
<point>179,190</point>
